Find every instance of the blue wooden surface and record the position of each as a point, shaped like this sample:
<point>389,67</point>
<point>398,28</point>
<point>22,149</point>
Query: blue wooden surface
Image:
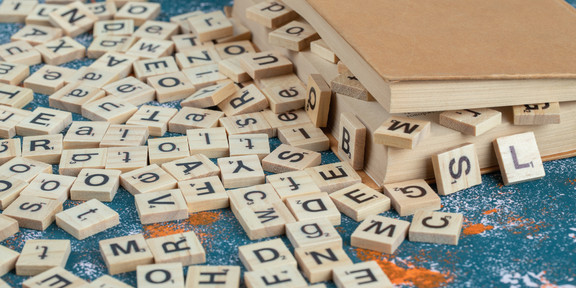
<point>514,236</point>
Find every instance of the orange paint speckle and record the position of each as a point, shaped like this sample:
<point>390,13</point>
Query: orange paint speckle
<point>411,275</point>
<point>474,229</point>
<point>164,229</point>
<point>488,212</point>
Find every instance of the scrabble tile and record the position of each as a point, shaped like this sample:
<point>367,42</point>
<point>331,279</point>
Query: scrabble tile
<point>148,179</point>
<point>313,233</point>
<point>169,275</point>
<point>61,50</point>
<point>295,36</point>
<point>286,158</point>
<point>97,77</point>
<point>126,159</point>
<point>124,254</point>
<point>531,114</point>
<point>217,276</point>
<point>8,226</point>
<point>239,33</point>
<point>104,11</point>
<point>197,56</point>
<point>161,206</point>
<point>9,118</point>
<point>40,15</point>
<point>191,118</point>
<point>154,117</point>
<point>265,64</point>
<point>85,134</point>
<point>152,67</point>
<point>9,148</point>
<point>241,171</point>
<point>212,142</point>
<point>249,144</point>
<point>140,12</point>
<point>162,150</point>
<point>232,69</point>
<point>318,100</point>
<point>107,281</point>
<point>156,30</point>
<point>360,201</point>
<point>519,158</point>
<point>314,206</point>
<point>211,95</point>
<point>210,26</point>
<point>87,219</point>
<point>246,124</point>
<point>99,184</point>
<point>401,132</point>
<point>203,194</point>
<point>271,14</point>
<point>456,169</point>
<point>74,19</point>
<point>246,100</point>
<point>109,43</point>
<point>183,42</point>
<point>305,136</point>
<point>12,73</point>
<point>471,122</point>
<point>184,248</point>
<point>73,161</point>
<point>20,52</point>
<point>148,48</point>
<point>352,140</point>
<point>48,79</point>
<point>125,136</point>
<point>407,197</point>
<point>285,119</point>
<point>347,84</point>
<point>282,276</point>
<point>379,233</point>
<point>10,189</point>
<point>39,255</point>
<point>47,279</point>
<point>24,169</point>
<point>264,220</point>
<point>290,184</point>
<point>251,196</point>
<point>333,177</point>
<point>205,75</point>
<point>171,87</point>
<point>16,10</point>
<point>115,62</point>
<point>15,96</point>
<point>49,186</point>
<point>365,274</point>
<point>266,254</point>
<point>37,34</point>
<point>232,49</point>
<point>321,49</point>
<point>285,93</point>
<point>181,20</point>
<point>74,96</point>
<point>435,227</point>
<point>132,90</point>
<point>317,263</point>
<point>8,260</point>
<point>190,167</point>
<point>109,109</point>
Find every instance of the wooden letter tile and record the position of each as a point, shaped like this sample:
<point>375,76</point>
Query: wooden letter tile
<point>20,52</point>
<point>132,90</point>
<point>360,201</point>
<point>205,75</point>
<point>72,161</point>
<point>184,248</point>
<point>148,179</point>
<point>352,140</point>
<point>169,275</point>
<point>281,277</point>
<point>211,26</point>
<point>211,95</point>
<point>318,100</point>
<point>8,227</point>
<point>13,74</point>
<point>151,67</point>
<point>85,134</point>
<point>232,49</point>
<point>37,34</point>
<point>241,171</point>
<point>248,144</point>
<point>50,186</point>
<point>253,195</point>
<point>192,167</point>
<point>41,14</point>
<point>295,36</point>
<point>401,132</point>
<point>267,254</point>
<point>162,150</point>
<point>54,276</point>
<point>246,100</point>
<point>87,219</point>
<point>100,184</point>
<point>9,148</point>
<point>8,260</point>
<point>104,11</point>
<point>232,69</point>
<point>9,118</point>
<point>156,30</point>
<point>285,93</point>
<point>271,14</point>
<point>409,196</point>
<point>191,118</point>
<point>182,20</point>
<point>147,48</point>
<point>533,114</point>
<point>95,76</point>
<point>160,206</point>
<point>204,194</point>
<point>48,79</point>
<point>212,142</point>
<point>313,233</point>
<point>197,56</point>
<point>380,234</point>
<point>140,12</point>
<point>471,122</point>
<point>39,255</point>
<point>347,84</point>
<point>127,158</point>
<point>183,42</point>
<point>124,254</point>
<point>287,119</point>
<point>74,19</point>
<point>73,96</point>
<point>436,227</point>
<point>44,121</point>
<point>15,96</point>
<point>171,87</point>
<point>60,51</point>
<point>15,10</point>
<point>154,117</point>
<point>125,136</point>
<point>365,274</point>
<point>333,177</point>
<point>10,189</point>
<point>456,169</point>
<point>265,64</point>
<point>519,158</point>
<point>109,109</point>
<point>314,206</point>
<point>321,49</point>
<point>286,158</point>
<point>290,184</point>
<point>246,124</point>
<point>317,263</point>
<point>115,62</point>
<point>264,220</point>
<point>104,44</point>
<point>24,169</point>
<point>216,276</point>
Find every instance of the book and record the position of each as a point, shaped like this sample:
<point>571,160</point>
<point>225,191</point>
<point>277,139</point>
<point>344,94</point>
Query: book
<point>418,56</point>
